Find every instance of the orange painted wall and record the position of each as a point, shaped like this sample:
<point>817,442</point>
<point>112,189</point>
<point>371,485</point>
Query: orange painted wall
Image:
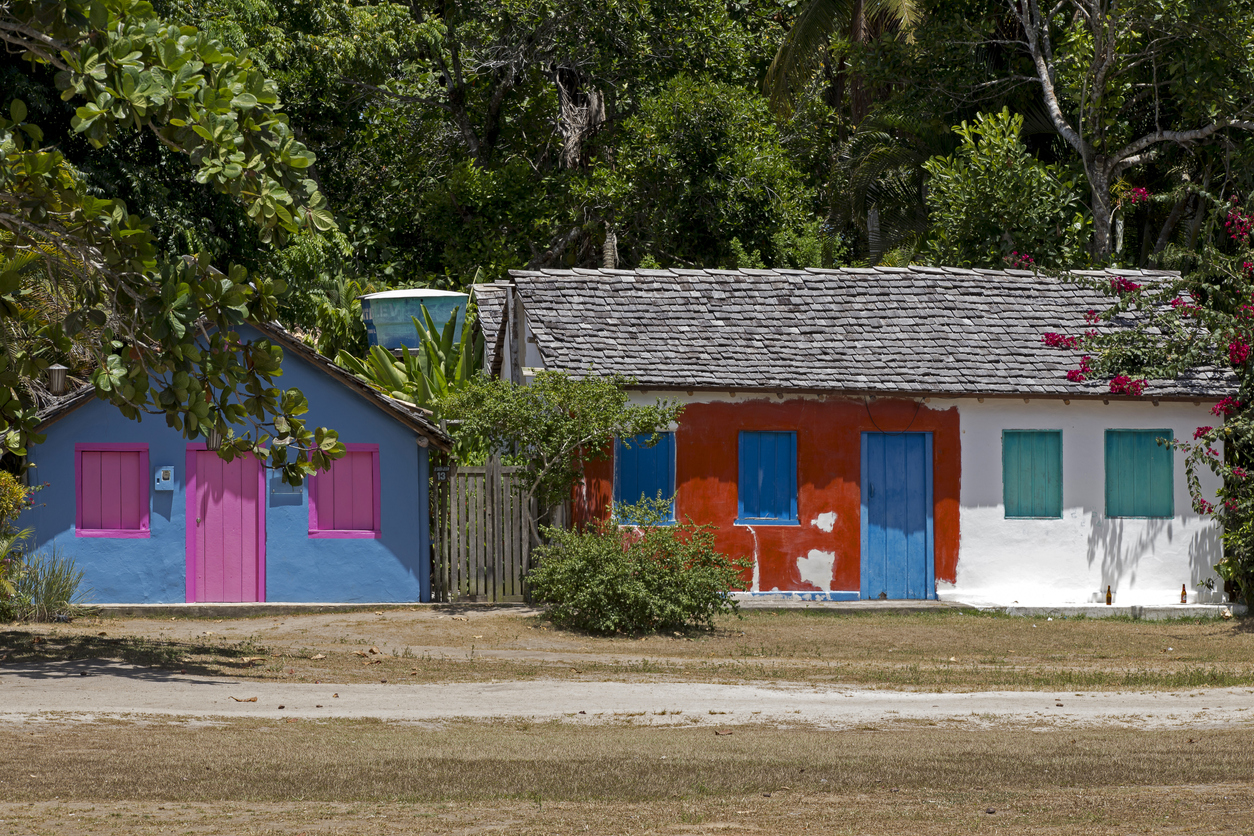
<point>829,471</point>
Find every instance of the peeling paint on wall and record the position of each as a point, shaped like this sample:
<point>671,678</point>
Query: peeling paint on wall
<point>816,568</point>
<point>755,586</point>
<point>825,521</point>
<point>829,455</point>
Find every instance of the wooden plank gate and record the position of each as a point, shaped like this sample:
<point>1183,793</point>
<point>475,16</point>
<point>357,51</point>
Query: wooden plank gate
<point>482,542</point>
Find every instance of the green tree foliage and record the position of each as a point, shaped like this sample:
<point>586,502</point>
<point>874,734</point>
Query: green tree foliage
<point>699,178</point>
<point>993,202</point>
<point>166,341</point>
<point>456,136</point>
<point>14,499</point>
<point>1121,82</point>
<point>650,576</point>
<point>807,46</point>
<point>551,426</point>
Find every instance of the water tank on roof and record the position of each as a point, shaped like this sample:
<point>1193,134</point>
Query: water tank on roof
<point>388,315</point>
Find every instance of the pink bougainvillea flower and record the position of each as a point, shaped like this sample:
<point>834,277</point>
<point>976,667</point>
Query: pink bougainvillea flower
<point>1076,376</point>
<point>1239,472</point>
<point>1060,340</point>
<point>1201,431</point>
<point>1226,407</point>
<point>1204,507</point>
<point>1121,384</point>
<point>1238,352</point>
<point>1120,285</point>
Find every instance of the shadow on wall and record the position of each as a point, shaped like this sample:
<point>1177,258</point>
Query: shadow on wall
<point>1205,550</point>
<point>1119,555</point>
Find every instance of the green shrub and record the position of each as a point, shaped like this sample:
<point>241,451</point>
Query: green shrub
<point>14,499</point>
<point>48,586</point>
<point>629,579</point>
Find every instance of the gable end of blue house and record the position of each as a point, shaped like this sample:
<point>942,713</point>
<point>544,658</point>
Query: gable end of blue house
<point>189,546</point>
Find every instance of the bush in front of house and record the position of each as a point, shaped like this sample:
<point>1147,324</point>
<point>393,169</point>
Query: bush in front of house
<point>45,586</point>
<point>49,587</point>
<point>641,577</point>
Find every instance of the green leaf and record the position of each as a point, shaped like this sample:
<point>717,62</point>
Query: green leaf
<point>17,110</point>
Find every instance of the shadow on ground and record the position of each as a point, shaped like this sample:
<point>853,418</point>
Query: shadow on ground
<point>35,656</point>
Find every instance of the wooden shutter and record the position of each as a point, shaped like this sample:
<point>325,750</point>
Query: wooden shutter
<point>344,501</point>
<point>1138,474</point>
<point>767,490</point>
<point>641,471</point>
<point>1031,472</point>
<point>112,490</point>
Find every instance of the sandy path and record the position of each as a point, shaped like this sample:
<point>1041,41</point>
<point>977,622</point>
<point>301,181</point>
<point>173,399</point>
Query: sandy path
<point>114,690</point>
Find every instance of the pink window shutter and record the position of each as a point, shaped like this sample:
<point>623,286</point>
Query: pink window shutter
<point>111,490</point>
<point>344,501</point>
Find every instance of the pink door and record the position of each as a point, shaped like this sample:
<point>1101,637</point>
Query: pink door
<point>226,533</point>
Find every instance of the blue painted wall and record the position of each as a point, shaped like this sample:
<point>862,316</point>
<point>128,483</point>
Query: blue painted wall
<point>395,567</point>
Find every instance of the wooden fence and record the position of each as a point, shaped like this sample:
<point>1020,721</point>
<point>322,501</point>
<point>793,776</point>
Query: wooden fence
<point>482,541</point>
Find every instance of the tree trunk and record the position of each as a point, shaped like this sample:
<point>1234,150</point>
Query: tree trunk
<point>1099,182</point>
<point>1169,226</point>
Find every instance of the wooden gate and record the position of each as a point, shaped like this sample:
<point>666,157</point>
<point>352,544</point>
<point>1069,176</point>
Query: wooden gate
<point>482,542</point>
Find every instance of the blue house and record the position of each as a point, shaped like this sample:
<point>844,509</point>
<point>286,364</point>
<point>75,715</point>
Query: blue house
<point>151,517</point>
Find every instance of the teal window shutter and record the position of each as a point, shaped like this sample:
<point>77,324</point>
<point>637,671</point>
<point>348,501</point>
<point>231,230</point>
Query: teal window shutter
<point>641,471</point>
<point>767,490</point>
<point>1031,473</point>
<point>1138,474</point>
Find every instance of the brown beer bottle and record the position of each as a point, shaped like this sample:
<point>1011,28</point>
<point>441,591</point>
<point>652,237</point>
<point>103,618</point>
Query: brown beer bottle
<point>1184,595</point>
<point>1108,597</point>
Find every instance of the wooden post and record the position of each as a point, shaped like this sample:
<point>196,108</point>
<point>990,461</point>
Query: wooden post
<point>492,530</point>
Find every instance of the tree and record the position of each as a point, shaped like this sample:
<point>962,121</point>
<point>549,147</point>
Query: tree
<point>551,426</point>
<point>698,177</point>
<point>857,23</point>
<point>1120,80</point>
<point>165,341</point>
<point>993,203</point>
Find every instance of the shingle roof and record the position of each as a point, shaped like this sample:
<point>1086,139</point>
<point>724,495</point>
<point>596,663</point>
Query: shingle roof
<point>914,330</point>
<point>490,300</point>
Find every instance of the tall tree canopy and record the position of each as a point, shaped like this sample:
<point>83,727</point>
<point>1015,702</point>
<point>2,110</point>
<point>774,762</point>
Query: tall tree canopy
<point>161,330</point>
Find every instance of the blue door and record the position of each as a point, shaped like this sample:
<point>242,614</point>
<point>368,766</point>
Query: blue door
<point>897,516</point>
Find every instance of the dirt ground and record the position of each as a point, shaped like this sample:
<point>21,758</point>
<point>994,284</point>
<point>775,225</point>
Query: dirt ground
<point>271,777</point>
<point>941,650</point>
<point>930,723</point>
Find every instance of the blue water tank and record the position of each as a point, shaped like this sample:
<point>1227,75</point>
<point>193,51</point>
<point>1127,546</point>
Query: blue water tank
<point>388,315</point>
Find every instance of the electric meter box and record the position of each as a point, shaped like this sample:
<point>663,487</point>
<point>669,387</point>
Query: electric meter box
<point>165,478</point>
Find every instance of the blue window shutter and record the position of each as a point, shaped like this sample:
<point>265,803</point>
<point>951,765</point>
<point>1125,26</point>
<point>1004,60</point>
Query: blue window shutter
<point>641,471</point>
<point>1138,474</point>
<point>1031,471</point>
<point>767,490</point>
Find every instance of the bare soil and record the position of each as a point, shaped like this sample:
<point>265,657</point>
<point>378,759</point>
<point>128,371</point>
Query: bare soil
<point>940,650</point>
<point>889,773</point>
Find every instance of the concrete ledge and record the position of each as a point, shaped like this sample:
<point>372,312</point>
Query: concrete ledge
<point>1140,612</point>
<point>268,608</point>
<point>834,602</point>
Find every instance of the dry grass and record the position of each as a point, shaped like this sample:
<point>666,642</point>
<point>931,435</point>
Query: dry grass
<point>943,650</point>
<point>372,777</point>
<point>1116,811</point>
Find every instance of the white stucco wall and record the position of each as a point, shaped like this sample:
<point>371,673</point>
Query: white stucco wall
<point>1073,559</point>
